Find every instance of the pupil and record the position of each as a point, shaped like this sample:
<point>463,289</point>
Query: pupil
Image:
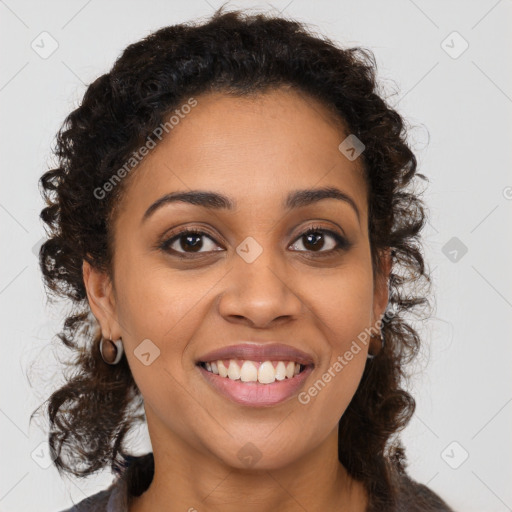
<point>315,237</point>
<point>194,246</point>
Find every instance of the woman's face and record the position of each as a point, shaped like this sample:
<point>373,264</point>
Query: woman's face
<point>251,276</point>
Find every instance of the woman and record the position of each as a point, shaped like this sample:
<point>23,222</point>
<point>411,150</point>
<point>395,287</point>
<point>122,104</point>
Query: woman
<point>232,222</point>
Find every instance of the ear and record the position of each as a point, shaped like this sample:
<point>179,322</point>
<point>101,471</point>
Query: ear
<point>381,285</point>
<point>101,300</point>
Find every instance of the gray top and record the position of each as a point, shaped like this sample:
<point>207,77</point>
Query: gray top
<point>112,499</point>
<point>414,497</point>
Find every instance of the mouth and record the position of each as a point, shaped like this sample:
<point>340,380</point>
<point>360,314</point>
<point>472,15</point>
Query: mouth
<point>246,371</point>
<point>256,375</point>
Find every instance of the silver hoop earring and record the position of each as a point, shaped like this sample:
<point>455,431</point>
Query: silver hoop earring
<point>382,341</point>
<point>112,352</point>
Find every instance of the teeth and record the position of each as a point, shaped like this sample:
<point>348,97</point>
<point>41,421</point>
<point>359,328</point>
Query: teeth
<point>233,370</point>
<point>223,371</point>
<point>266,373</point>
<point>251,371</point>
<point>290,370</point>
<point>280,371</point>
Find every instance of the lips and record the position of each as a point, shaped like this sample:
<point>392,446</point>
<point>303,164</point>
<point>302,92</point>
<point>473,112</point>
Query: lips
<point>254,394</point>
<point>259,352</point>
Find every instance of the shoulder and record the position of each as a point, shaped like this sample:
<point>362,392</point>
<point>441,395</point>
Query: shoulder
<point>97,501</point>
<point>112,499</point>
<point>132,481</point>
<point>417,497</point>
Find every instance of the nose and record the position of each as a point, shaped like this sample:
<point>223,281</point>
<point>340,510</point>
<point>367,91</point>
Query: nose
<point>260,293</point>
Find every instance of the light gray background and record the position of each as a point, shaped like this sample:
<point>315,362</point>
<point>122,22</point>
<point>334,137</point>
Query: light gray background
<point>462,383</point>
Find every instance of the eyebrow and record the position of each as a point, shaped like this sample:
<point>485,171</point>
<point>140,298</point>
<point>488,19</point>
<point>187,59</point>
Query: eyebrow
<point>216,201</point>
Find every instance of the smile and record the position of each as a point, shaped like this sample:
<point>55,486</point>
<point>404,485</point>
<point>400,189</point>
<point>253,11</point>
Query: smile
<point>253,371</point>
<point>255,383</point>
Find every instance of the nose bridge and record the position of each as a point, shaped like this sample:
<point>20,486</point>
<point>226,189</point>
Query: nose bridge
<point>258,288</point>
<point>259,266</point>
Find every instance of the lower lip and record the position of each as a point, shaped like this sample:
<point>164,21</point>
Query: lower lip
<point>254,394</point>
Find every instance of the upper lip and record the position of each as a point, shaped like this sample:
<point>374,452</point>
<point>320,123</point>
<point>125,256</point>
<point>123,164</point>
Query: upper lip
<point>259,352</point>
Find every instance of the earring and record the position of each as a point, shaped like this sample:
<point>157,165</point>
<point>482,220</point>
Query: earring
<point>382,341</point>
<point>112,352</point>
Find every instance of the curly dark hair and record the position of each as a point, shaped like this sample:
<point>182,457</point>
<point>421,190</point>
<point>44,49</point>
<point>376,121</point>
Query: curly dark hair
<point>240,54</point>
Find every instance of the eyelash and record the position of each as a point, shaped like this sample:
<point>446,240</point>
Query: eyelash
<point>342,243</point>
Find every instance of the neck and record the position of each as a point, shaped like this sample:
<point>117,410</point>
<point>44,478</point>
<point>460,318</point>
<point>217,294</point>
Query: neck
<point>187,479</point>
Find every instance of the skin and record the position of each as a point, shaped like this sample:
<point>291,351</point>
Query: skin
<point>255,150</point>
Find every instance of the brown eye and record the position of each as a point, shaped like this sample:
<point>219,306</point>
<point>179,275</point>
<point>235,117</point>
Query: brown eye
<point>188,241</point>
<point>317,239</point>
<point>192,241</point>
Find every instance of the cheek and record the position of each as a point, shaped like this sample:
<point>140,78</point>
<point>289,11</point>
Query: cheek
<point>164,306</point>
<point>341,309</point>
<point>153,297</point>
<point>336,380</point>
<point>342,305</point>
<point>161,310</point>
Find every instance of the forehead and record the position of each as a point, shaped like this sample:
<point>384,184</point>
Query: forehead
<point>254,149</point>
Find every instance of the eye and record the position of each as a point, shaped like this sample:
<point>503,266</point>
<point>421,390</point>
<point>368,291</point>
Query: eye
<point>314,240</point>
<point>189,240</point>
